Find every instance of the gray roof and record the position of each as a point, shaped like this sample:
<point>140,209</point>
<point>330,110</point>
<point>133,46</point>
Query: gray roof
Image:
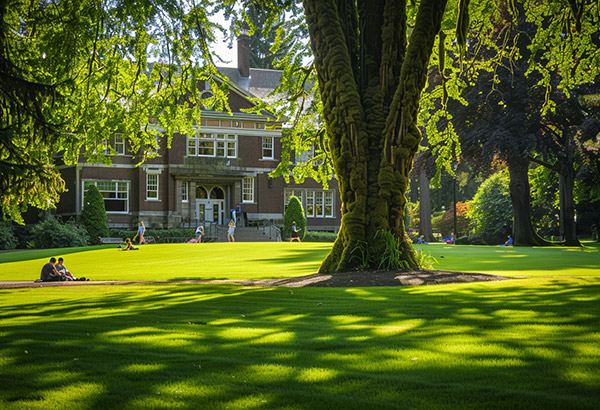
<point>260,83</point>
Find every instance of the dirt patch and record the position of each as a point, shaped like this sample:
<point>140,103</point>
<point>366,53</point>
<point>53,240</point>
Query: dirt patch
<point>347,279</point>
<point>368,279</point>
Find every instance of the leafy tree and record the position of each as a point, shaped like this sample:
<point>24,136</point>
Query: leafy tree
<point>294,213</point>
<point>93,214</point>
<point>370,77</point>
<point>490,209</point>
<point>463,222</point>
<point>544,200</point>
<point>73,73</point>
<point>270,42</point>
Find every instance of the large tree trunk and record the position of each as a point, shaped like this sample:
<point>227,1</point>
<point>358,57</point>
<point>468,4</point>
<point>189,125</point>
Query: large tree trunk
<point>370,85</point>
<point>425,228</point>
<point>520,196</point>
<point>566,178</point>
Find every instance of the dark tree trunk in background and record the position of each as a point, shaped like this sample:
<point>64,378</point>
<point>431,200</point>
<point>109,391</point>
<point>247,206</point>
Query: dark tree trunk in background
<point>566,178</point>
<point>520,196</point>
<point>425,227</point>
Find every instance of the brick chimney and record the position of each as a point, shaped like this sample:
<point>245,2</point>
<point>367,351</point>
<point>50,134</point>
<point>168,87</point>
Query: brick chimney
<point>243,46</point>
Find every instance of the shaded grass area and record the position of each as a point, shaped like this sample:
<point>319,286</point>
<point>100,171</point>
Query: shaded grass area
<point>284,259</point>
<point>531,344</point>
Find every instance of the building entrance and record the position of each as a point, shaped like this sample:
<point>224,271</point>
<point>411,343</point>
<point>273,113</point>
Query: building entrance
<point>210,204</point>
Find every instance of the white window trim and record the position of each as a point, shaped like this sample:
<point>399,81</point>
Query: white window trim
<point>304,199</point>
<point>251,190</point>
<point>185,192</point>
<point>148,174</point>
<point>194,143</point>
<point>272,147</point>
<point>95,181</point>
<point>122,144</point>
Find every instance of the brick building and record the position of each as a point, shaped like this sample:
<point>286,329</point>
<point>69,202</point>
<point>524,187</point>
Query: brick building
<point>202,177</point>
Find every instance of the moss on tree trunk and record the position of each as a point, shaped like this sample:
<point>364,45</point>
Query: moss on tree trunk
<point>370,83</point>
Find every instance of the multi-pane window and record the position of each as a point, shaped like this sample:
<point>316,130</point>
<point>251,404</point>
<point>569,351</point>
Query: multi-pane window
<point>184,192</point>
<point>310,203</point>
<point>317,203</point>
<point>267,147</point>
<point>212,145</point>
<point>248,189</point>
<point>114,193</point>
<point>288,194</point>
<point>119,144</point>
<point>116,143</point>
<point>152,187</point>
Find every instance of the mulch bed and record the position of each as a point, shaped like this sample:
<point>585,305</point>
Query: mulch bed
<point>414,277</point>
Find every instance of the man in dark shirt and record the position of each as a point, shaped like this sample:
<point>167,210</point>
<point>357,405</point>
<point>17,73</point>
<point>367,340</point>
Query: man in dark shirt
<point>49,272</point>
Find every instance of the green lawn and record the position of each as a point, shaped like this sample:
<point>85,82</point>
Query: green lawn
<point>278,260</point>
<point>523,344</point>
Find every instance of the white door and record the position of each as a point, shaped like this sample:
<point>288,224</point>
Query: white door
<point>210,210</point>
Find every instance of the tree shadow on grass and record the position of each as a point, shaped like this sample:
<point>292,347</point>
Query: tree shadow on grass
<point>463,346</point>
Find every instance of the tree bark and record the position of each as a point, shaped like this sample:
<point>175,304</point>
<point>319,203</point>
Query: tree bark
<point>566,178</point>
<point>370,86</point>
<point>425,228</point>
<point>520,196</point>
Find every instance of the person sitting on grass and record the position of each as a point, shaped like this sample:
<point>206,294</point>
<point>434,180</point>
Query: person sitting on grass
<point>61,268</point>
<point>50,274</point>
<point>509,242</point>
<point>129,246</point>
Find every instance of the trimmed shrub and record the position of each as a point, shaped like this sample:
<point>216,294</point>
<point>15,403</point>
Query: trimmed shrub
<point>93,214</point>
<point>318,236</point>
<point>7,236</point>
<point>294,213</point>
<point>52,233</point>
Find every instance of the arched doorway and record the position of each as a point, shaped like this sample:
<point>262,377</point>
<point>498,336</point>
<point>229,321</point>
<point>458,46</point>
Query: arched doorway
<point>210,203</point>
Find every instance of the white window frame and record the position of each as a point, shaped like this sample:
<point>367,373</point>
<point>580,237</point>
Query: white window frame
<point>120,194</point>
<point>215,145</point>
<point>152,187</point>
<point>119,144</point>
<point>268,144</point>
<point>248,190</point>
<point>185,191</point>
<point>311,199</point>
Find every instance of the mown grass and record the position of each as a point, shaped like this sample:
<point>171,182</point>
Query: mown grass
<point>523,344</point>
<point>527,343</point>
<point>280,260</point>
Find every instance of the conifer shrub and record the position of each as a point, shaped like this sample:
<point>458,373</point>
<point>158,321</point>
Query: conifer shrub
<point>294,213</point>
<point>93,214</point>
